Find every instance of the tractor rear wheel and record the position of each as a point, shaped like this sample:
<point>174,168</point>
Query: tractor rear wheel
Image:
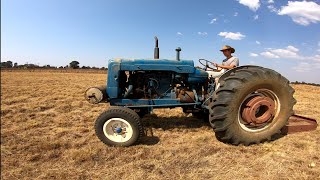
<point>251,105</point>
<point>119,126</point>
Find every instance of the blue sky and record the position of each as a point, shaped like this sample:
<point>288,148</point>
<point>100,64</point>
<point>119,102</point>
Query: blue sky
<point>282,35</point>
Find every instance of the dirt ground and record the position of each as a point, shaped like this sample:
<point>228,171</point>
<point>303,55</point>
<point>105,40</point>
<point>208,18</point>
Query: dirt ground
<point>47,133</point>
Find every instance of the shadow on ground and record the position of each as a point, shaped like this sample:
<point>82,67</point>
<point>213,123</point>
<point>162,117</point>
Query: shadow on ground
<point>177,123</point>
<point>169,123</point>
<point>173,122</point>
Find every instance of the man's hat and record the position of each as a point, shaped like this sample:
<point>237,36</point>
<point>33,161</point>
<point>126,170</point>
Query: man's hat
<point>226,47</point>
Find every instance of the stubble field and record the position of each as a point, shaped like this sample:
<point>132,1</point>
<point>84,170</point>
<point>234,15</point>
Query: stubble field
<point>47,133</point>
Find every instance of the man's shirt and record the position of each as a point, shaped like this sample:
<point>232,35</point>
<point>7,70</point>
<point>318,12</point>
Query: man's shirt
<point>231,61</point>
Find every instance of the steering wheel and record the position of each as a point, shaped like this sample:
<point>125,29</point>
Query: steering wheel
<point>206,63</point>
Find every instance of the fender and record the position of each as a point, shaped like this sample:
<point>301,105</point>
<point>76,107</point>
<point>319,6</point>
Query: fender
<point>228,72</point>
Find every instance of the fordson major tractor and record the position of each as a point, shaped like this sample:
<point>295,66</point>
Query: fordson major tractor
<point>248,105</point>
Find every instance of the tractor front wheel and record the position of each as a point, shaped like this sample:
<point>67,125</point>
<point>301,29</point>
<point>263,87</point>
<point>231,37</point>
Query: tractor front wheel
<point>119,126</point>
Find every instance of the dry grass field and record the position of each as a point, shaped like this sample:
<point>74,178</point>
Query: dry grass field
<point>47,133</point>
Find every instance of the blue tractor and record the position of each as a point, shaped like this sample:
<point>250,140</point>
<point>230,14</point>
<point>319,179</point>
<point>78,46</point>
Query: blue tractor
<point>249,104</point>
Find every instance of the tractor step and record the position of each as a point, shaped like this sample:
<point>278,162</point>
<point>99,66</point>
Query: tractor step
<point>298,123</point>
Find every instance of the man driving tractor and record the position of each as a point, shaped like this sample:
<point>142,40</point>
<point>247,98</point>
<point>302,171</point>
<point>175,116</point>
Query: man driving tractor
<point>228,63</point>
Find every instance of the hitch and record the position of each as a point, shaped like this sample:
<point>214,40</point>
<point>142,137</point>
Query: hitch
<point>298,123</point>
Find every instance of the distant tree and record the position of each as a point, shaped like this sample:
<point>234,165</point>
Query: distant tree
<point>15,65</point>
<point>31,66</point>
<point>74,64</point>
<point>61,67</point>
<point>7,64</point>
<point>85,67</point>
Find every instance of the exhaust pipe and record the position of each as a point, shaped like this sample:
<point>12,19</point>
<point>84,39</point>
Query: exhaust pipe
<point>156,49</point>
<point>178,53</point>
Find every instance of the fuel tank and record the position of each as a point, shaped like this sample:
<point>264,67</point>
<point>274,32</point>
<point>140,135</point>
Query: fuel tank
<point>199,76</point>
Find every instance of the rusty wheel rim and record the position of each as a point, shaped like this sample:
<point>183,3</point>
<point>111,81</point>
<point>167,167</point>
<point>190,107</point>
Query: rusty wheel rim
<point>258,110</point>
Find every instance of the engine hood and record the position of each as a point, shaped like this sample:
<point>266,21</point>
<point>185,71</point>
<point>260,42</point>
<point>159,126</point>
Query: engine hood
<point>181,66</point>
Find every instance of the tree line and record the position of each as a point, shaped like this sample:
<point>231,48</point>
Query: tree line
<point>71,65</point>
<point>297,82</point>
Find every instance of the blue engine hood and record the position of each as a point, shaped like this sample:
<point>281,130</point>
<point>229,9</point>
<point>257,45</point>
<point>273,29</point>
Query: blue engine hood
<point>182,66</point>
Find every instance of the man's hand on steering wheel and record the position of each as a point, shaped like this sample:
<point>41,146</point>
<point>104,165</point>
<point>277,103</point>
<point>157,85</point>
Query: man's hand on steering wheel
<point>206,63</point>
<point>215,64</point>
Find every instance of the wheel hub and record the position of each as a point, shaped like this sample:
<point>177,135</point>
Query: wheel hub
<point>258,110</point>
<point>118,130</point>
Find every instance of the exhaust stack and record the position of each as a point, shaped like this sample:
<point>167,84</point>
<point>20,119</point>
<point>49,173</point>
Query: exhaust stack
<point>156,49</point>
<point>178,53</point>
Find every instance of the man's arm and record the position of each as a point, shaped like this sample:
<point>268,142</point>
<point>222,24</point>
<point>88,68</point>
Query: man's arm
<point>232,65</point>
<point>227,67</point>
<point>224,67</point>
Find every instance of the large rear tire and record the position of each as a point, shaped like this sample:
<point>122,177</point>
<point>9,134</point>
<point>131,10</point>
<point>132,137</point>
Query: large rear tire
<point>251,105</point>
<point>119,126</point>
